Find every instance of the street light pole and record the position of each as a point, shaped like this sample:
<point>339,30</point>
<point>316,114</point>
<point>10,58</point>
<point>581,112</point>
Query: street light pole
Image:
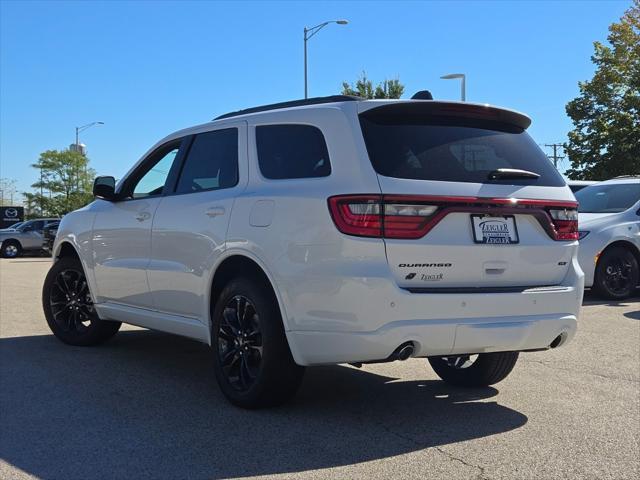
<point>82,129</point>
<point>308,33</point>
<point>463,83</point>
<point>77,146</point>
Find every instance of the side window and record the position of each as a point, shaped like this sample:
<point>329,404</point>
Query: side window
<point>212,162</point>
<point>37,226</point>
<point>152,181</point>
<point>292,151</point>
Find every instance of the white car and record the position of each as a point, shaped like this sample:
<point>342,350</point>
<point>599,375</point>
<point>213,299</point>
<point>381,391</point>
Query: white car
<point>330,230</point>
<point>609,219</point>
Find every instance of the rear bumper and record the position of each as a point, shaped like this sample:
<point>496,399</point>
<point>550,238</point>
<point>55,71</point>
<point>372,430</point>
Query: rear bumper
<point>349,309</point>
<point>433,338</point>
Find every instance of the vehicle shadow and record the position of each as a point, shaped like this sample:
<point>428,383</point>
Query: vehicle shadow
<point>146,405</point>
<point>591,298</point>
<point>635,315</point>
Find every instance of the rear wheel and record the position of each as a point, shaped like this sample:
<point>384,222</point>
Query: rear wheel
<point>616,274</point>
<point>251,357</point>
<point>479,370</point>
<point>69,309</point>
<point>11,249</point>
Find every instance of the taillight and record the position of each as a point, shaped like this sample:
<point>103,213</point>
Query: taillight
<point>375,216</point>
<point>413,216</point>
<point>357,215</point>
<point>565,223</point>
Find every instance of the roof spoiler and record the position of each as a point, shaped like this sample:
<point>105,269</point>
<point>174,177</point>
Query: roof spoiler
<point>444,110</point>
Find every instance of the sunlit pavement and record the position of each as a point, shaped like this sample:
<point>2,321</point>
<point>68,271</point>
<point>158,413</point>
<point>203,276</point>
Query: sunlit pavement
<point>145,405</point>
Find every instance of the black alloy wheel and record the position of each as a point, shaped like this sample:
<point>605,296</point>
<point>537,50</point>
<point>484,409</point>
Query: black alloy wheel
<point>68,306</point>
<point>240,343</point>
<point>70,301</point>
<point>252,361</point>
<point>617,274</point>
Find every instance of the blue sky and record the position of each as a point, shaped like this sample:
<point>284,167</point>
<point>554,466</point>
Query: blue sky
<point>147,68</point>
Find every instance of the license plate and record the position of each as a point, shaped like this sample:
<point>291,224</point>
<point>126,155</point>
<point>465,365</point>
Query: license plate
<point>494,230</point>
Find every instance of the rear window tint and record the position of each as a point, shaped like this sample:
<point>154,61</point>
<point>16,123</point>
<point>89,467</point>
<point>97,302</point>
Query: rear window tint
<point>212,162</point>
<point>292,151</point>
<point>453,150</point>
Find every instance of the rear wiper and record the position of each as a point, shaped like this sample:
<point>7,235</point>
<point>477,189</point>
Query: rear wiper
<point>503,173</point>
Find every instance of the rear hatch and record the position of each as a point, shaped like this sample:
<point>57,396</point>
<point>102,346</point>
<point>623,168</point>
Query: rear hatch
<point>469,201</point>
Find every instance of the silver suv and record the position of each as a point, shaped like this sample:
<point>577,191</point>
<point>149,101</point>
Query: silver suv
<point>27,237</point>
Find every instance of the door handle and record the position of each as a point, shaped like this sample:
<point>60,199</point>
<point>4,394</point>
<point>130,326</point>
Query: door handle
<point>215,211</point>
<point>142,216</point>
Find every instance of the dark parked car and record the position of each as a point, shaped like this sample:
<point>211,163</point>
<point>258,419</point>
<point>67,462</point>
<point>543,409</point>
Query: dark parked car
<point>49,236</point>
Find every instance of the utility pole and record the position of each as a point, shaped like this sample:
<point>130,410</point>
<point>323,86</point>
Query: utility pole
<point>41,192</point>
<point>555,158</point>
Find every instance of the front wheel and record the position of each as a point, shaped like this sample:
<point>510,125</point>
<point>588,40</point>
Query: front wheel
<point>616,274</point>
<point>11,249</point>
<point>69,309</point>
<point>479,370</point>
<point>251,356</point>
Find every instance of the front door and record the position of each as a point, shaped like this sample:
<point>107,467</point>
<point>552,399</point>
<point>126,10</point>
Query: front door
<point>31,237</point>
<point>122,231</point>
<point>191,223</point>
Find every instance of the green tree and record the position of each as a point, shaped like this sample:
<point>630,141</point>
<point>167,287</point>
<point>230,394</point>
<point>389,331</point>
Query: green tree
<point>65,182</point>
<point>605,141</point>
<point>364,88</point>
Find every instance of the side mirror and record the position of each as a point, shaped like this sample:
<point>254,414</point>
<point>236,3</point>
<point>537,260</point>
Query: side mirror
<point>105,188</point>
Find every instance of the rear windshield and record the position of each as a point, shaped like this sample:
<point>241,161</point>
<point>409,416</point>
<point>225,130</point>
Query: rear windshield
<point>453,150</point>
<point>608,198</point>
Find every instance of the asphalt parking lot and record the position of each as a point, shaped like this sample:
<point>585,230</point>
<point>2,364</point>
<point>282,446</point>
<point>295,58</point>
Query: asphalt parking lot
<point>145,405</point>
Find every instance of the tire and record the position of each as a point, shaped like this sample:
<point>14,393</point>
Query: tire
<point>617,274</point>
<point>68,308</point>
<point>254,368</point>
<point>11,249</point>
<point>487,369</point>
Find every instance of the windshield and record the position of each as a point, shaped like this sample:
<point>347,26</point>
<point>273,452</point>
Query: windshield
<point>15,225</point>
<point>608,198</point>
<point>22,226</point>
<point>453,150</point>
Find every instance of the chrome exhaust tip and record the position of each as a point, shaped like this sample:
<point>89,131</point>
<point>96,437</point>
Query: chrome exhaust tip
<point>403,352</point>
<point>559,340</point>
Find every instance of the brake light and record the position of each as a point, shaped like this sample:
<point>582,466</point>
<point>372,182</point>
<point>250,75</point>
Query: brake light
<point>413,216</point>
<point>373,216</point>
<point>357,215</point>
<point>565,223</point>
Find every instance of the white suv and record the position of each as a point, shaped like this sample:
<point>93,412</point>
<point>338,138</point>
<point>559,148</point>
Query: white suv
<point>330,230</point>
<point>609,255</point>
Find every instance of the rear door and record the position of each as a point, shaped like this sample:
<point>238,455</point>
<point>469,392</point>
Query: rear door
<point>459,212</point>
<point>190,225</point>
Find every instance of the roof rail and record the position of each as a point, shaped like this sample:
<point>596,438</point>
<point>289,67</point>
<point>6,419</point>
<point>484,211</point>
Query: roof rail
<point>626,176</point>
<point>292,103</point>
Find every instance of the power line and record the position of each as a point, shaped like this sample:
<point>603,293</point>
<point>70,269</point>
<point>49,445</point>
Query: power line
<point>555,158</point>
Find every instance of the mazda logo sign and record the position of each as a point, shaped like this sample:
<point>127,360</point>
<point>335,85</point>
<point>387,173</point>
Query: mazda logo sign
<point>11,212</point>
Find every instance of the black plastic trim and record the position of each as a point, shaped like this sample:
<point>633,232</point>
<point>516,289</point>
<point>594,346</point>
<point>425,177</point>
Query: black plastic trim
<point>292,103</point>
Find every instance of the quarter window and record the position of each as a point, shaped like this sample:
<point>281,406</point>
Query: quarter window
<point>292,151</point>
<point>212,162</point>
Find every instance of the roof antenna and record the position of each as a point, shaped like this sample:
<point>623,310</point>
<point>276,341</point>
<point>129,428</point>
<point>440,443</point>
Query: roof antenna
<point>422,95</point>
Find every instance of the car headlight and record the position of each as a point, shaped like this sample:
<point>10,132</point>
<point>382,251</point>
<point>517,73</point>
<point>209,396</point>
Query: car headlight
<point>582,234</point>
